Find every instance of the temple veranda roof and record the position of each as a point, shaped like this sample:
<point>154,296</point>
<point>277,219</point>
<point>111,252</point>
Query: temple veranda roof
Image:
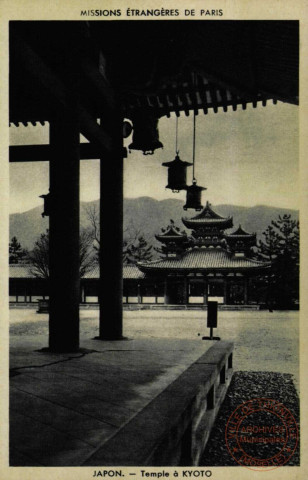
<point>23,271</point>
<point>236,63</point>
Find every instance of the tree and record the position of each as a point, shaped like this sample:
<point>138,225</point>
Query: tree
<point>138,251</point>
<point>17,254</point>
<point>281,248</point>
<point>135,247</point>
<point>131,234</point>
<point>39,257</point>
<point>94,229</point>
<point>87,252</point>
<point>270,247</point>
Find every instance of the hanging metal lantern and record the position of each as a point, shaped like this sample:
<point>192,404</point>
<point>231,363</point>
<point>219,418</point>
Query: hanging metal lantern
<point>177,174</point>
<point>46,211</point>
<point>193,197</point>
<point>145,133</point>
<point>127,128</point>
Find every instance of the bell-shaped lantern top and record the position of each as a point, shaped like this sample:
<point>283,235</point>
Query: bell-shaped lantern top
<point>177,174</point>
<point>193,197</point>
<point>145,133</point>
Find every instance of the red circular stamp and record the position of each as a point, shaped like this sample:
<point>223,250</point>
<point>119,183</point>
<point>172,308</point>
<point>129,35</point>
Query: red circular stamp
<point>261,434</point>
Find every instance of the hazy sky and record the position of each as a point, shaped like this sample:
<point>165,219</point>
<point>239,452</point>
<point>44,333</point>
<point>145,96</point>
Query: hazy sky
<point>244,158</point>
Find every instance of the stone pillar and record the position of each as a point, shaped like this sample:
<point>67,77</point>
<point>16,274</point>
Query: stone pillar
<point>64,231</point>
<point>111,234</point>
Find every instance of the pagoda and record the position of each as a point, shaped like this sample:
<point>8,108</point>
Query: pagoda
<point>207,265</point>
<point>208,227</point>
<point>240,242</point>
<point>173,241</point>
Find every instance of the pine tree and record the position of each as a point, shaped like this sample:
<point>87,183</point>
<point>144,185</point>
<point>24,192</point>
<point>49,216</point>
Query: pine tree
<point>281,246</point>
<point>270,247</point>
<point>16,253</point>
<point>138,251</point>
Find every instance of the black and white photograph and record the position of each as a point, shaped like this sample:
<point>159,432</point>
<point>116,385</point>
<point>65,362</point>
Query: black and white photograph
<point>153,243</point>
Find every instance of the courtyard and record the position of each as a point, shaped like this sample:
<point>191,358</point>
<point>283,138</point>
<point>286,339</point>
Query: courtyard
<point>264,341</point>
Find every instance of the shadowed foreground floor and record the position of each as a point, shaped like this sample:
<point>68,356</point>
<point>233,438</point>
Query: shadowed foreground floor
<point>64,407</point>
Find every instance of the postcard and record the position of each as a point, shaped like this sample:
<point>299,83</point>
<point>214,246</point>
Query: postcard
<point>154,234</point>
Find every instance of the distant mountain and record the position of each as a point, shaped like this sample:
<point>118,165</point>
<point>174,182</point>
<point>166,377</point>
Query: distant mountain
<point>148,215</point>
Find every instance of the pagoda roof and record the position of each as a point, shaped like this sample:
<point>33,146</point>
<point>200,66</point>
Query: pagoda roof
<point>171,233</point>
<point>208,218</point>
<point>240,233</point>
<point>203,259</point>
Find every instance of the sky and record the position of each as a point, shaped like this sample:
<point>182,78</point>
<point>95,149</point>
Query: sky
<point>248,157</point>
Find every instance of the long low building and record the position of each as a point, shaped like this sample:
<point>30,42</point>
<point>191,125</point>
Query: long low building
<point>209,265</point>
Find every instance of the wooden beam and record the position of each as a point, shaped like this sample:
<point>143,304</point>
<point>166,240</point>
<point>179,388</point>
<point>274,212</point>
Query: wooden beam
<point>42,153</point>
<point>56,94</point>
<point>104,92</point>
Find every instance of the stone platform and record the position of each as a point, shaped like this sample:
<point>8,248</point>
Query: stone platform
<point>134,402</point>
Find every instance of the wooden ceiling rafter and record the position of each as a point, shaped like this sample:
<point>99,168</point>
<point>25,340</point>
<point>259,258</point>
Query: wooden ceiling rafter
<point>164,92</point>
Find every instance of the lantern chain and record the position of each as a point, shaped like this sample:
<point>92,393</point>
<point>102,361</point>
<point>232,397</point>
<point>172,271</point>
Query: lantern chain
<point>194,146</point>
<point>194,129</point>
<point>176,137</point>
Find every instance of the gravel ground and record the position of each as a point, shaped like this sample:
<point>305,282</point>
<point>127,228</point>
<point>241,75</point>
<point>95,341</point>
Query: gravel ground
<point>245,386</point>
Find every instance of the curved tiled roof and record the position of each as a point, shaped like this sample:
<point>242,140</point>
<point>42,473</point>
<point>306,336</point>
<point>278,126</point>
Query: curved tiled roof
<point>20,270</point>
<point>222,223</point>
<point>23,271</point>
<point>208,218</point>
<point>132,271</point>
<point>240,233</point>
<point>171,233</point>
<point>203,259</point>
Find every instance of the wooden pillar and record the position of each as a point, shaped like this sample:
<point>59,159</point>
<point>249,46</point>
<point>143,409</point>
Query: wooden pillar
<point>111,234</point>
<point>245,291</point>
<point>185,290</point>
<point>166,300</point>
<point>83,293</point>
<point>205,291</point>
<point>225,290</point>
<point>64,232</point>
<point>139,293</point>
